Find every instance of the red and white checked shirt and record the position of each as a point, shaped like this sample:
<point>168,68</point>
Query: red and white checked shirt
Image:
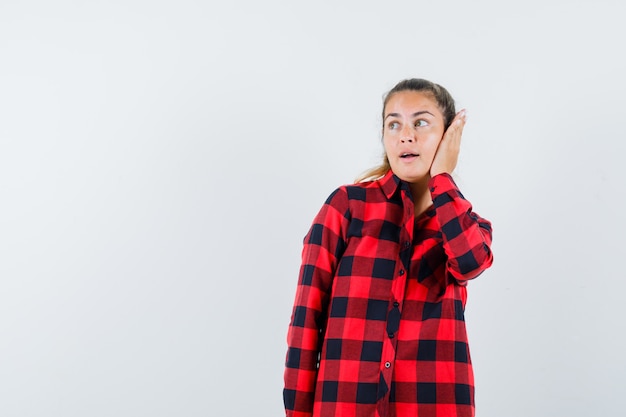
<point>378,321</point>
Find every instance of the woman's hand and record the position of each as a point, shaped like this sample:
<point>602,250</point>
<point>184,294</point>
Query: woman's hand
<point>447,153</point>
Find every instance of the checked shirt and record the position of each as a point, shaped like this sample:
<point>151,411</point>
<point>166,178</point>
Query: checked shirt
<point>378,326</point>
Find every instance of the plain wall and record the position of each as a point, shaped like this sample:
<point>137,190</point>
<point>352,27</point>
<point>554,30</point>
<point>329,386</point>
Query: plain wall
<point>161,161</point>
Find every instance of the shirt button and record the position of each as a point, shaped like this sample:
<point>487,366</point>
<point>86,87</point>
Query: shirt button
<point>390,335</point>
<point>396,304</point>
<point>387,364</point>
<point>401,272</point>
<point>407,244</point>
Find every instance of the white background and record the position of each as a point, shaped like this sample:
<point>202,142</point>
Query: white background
<point>161,161</point>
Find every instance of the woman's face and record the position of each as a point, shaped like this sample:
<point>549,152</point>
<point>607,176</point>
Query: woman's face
<point>412,128</point>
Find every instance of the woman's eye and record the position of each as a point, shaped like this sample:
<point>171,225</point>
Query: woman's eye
<point>420,123</point>
<point>394,125</point>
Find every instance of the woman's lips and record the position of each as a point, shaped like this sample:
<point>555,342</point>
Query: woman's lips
<point>408,156</point>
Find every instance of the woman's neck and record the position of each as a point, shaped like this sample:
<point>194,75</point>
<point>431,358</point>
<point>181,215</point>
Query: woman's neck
<point>421,195</point>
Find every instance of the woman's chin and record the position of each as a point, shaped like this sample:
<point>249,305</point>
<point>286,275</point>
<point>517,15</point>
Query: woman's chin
<point>411,177</point>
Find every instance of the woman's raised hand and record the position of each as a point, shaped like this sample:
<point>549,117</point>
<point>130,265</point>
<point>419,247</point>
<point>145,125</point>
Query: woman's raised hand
<point>448,151</point>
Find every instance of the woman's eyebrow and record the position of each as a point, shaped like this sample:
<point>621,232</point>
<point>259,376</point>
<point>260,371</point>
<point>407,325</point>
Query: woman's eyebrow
<point>392,115</point>
<point>418,113</point>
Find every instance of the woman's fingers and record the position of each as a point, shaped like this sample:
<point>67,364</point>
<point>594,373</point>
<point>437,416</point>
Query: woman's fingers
<point>448,151</point>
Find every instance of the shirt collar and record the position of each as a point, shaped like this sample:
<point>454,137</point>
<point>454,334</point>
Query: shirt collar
<point>390,184</point>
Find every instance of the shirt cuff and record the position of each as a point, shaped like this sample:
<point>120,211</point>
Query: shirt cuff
<point>441,184</point>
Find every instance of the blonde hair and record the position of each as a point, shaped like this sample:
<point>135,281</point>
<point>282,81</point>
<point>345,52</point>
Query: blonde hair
<point>375,173</point>
<point>441,96</point>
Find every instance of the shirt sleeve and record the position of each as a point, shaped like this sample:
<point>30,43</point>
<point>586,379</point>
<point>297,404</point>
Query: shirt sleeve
<point>323,247</point>
<point>466,236</point>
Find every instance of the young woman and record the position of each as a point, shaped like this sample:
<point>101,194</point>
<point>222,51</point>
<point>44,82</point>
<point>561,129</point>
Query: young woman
<point>378,322</point>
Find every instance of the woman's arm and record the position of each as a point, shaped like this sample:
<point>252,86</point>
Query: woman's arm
<point>323,246</point>
<point>466,236</point>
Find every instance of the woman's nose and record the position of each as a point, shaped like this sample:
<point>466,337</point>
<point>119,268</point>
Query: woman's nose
<point>406,135</point>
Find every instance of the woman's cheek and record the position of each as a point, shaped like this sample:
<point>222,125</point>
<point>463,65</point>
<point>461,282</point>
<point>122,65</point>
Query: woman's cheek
<point>431,148</point>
